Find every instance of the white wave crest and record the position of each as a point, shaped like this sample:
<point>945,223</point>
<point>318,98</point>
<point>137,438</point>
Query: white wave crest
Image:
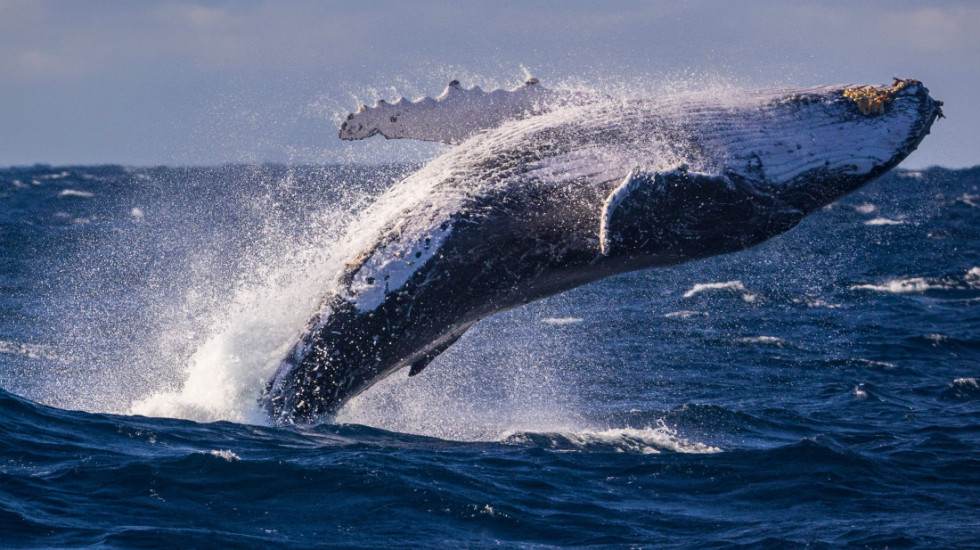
<point>764,340</point>
<point>561,320</point>
<point>812,301</point>
<point>685,314</point>
<point>859,392</point>
<point>884,221</point>
<point>626,440</point>
<point>969,200</point>
<point>902,286</point>
<point>971,280</point>
<point>967,383</point>
<point>75,193</point>
<point>226,454</point>
<point>728,285</point>
<point>873,364</point>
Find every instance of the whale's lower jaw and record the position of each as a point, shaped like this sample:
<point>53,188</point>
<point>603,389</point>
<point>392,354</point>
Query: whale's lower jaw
<point>517,243</point>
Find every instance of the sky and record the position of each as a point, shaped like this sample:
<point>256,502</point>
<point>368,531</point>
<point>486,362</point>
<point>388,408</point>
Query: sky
<point>200,83</point>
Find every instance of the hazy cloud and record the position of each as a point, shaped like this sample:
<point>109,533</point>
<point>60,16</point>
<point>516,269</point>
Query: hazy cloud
<point>932,29</point>
<point>38,64</point>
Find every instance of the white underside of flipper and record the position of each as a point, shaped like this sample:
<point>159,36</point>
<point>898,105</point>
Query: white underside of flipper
<point>456,114</point>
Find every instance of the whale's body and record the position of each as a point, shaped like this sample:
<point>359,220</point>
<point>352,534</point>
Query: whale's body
<point>536,199</point>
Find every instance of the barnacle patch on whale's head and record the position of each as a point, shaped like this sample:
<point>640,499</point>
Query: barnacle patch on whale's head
<point>871,100</point>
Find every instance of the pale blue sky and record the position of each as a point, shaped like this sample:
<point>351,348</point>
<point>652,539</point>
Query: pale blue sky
<point>161,82</point>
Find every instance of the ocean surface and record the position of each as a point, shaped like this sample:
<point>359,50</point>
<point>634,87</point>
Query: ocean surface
<point>818,391</point>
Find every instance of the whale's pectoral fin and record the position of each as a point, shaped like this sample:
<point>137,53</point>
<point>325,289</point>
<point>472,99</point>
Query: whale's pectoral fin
<point>690,214</point>
<point>456,114</point>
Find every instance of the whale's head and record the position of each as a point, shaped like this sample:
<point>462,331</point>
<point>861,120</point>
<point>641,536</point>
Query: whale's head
<point>778,154</point>
<point>812,146</point>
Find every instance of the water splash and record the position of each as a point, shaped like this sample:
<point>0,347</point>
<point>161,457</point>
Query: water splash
<point>251,330</point>
<point>242,331</point>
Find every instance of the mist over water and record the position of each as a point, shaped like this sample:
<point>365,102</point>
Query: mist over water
<point>212,281</point>
<point>185,309</point>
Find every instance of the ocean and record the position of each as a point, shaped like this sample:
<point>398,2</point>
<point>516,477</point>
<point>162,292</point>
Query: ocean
<point>817,391</point>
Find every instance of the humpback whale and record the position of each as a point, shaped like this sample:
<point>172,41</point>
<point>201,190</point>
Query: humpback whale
<point>545,190</point>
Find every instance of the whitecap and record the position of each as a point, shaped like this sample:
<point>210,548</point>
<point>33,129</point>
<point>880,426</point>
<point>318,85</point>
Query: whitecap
<point>226,454</point>
<point>650,440</point>
<point>970,280</point>
<point>902,286</point>
<point>561,320</point>
<point>962,388</point>
<point>865,208</point>
<point>817,302</point>
<point>75,193</point>
<point>874,364</point>
<point>968,199</point>
<point>685,314</point>
<point>728,285</point>
<point>765,340</point>
<point>884,221</point>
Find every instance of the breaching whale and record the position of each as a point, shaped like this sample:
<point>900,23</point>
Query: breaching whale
<point>546,190</point>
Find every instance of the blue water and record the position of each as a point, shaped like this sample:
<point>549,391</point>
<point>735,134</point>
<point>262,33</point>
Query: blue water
<point>820,390</point>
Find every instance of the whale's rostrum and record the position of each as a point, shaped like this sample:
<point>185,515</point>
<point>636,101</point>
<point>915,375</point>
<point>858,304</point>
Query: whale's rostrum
<point>545,192</point>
